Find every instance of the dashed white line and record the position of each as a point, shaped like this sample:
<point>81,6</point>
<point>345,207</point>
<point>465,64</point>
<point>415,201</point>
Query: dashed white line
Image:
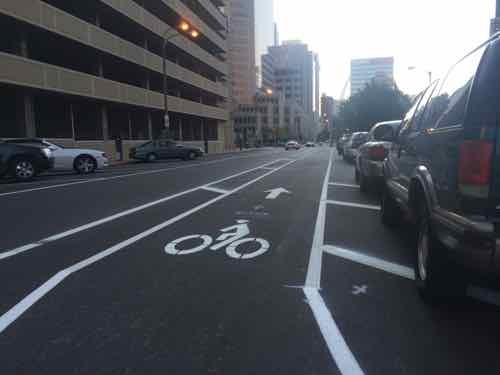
<point>352,204</point>
<point>21,307</point>
<point>370,261</point>
<point>70,232</point>
<point>215,190</point>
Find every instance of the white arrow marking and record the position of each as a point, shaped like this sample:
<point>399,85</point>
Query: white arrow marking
<point>357,290</point>
<point>275,193</point>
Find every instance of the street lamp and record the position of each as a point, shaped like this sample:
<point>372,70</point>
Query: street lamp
<point>187,29</point>
<point>429,73</point>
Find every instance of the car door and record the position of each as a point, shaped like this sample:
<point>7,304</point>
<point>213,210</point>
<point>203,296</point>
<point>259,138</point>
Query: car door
<point>162,147</point>
<point>395,163</point>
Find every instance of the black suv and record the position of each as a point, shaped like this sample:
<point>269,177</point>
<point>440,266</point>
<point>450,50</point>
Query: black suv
<point>443,173</point>
<point>24,162</point>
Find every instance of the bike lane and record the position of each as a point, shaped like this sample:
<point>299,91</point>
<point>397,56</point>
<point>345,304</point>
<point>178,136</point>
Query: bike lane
<point>148,311</point>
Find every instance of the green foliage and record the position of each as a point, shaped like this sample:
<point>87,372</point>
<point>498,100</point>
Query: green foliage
<point>376,103</point>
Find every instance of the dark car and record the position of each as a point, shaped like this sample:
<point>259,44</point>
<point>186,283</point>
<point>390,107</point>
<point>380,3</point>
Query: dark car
<point>23,162</point>
<point>164,149</point>
<point>443,172</point>
<point>371,154</point>
<point>351,147</point>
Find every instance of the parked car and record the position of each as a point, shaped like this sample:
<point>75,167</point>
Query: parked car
<point>443,172</point>
<point>368,170</point>
<point>23,162</point>
<point>352,145</point>
<point>83,161</point>
<point>292,145</point>
<point>164,149</point>
<point>341,142</point>
<point>310,144</point>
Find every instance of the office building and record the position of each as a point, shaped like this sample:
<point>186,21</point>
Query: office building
<point>89,72</point>
<point>264,32</point>
<point>365,71</point>
<point>270,119</point>
<point>241,54</point>
<point>294,71</point>
<point>495,22</point>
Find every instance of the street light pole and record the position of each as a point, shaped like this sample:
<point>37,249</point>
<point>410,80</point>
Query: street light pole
<point>186,28</point>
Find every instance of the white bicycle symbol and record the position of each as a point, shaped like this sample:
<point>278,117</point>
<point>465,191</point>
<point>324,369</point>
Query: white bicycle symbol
<point>232,237</point>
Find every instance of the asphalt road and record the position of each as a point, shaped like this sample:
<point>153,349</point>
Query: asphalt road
<point>204,268</point>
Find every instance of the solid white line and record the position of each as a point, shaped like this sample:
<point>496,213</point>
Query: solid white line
<point>346,363</point>
<point>343,185</point>
<point>268,168</point>
<point>101,179</point>
<point>215,190</point>
<point>70,232</point>
<point>352,204</point>
<point>15,312</point>
<point>313,277</point>
<point>370,261</point>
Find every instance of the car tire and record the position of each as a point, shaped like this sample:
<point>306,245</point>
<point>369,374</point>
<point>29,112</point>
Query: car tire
<point>390,213</point>
<point>85,164</point>
<point>23,169</point>
<point>152,157</point>
<point>363,183</point>
<point>437,279</point>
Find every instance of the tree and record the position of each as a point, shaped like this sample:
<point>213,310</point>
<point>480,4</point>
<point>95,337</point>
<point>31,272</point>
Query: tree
<point>376,103</point>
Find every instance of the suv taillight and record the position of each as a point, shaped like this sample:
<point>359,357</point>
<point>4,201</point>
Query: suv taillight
<point>378,153</point>
<point>475,168</point>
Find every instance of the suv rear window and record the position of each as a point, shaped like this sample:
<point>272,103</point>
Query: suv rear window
<point>485,102</point>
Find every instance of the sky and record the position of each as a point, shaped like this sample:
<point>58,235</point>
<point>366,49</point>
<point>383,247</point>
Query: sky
<point>428,34</point>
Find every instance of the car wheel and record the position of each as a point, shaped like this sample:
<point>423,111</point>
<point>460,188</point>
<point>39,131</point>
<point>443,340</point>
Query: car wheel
<point>85,164</point>
<point>436,279</point>
<point>151,158</point>
<point>191,155</point>
<point>23,169</point>
<point>363,183</point>
<point>390,212</point>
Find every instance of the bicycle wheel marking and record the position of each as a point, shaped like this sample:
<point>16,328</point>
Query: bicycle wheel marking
<point>233,253</point>
<point>171,248</point>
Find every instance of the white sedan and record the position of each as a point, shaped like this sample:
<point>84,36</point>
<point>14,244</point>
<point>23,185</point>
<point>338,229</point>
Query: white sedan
<point>83,161</point>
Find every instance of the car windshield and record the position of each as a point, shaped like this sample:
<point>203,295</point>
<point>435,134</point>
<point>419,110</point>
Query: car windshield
<point>226,187</point>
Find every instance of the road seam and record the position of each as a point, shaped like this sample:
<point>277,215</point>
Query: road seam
<point>96,223</point>
<point>27,302</point>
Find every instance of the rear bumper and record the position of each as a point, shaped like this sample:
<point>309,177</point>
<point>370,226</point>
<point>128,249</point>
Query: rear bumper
<point>472,245</point>
<point>372,169</point>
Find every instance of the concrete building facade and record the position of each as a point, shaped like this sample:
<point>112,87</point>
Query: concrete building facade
<point>89,72</point>
<point>292,72</point>
<point>270,119</point>
<point>264,32</point>
<point>364,71</point>
<point>241,54</point>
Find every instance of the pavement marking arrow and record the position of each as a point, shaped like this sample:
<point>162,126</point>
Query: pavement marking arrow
<point>275,193</point>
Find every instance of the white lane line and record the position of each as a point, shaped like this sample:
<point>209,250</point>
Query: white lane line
<point>101,179</point>
<point>70,232</point>
<point>215,190</point>
<point>370,261</point>
<point>268,168</point>
<point>313,277</point>
<point>346,363</point>
<point>343,185</point>
<point>352,204</point>
<point>15,312</point>
<point>340,352</point>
